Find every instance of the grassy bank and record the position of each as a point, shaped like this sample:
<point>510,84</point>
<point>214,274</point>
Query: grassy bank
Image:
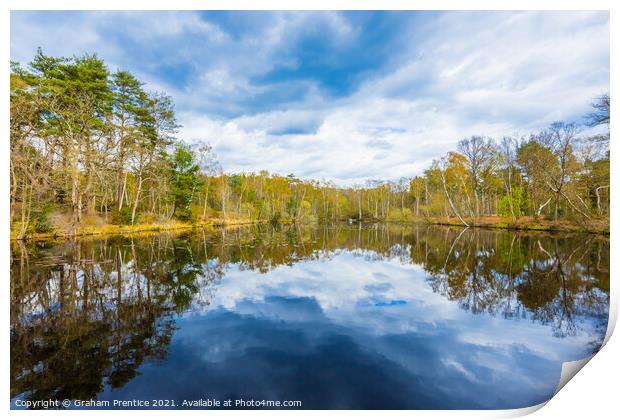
<point>110,229</point>
<point>525,223</point>
<point>493,222</point>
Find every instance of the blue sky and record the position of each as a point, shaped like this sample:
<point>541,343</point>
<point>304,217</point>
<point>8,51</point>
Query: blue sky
<point>343,96</point>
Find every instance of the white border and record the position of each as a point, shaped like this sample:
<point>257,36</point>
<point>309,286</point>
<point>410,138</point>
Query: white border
<point>593,393</point>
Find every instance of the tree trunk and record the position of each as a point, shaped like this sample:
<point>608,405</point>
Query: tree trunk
<point>26,207</point>
<point>137,199</point>
<point>359,206</point>
<point>542,206</point>
<point>598,198</point>
<point>512,211</point>
<point>445,189</point>
<point>204,210</point>
<point>14,189</point>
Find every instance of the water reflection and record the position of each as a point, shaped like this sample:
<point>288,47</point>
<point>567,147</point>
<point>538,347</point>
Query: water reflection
<point>380,316</point>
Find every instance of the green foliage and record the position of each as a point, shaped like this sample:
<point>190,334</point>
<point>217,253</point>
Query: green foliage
<point>291,206</point>
<point>183,180</point>
<point>122,216</point>
<point>78,91</point>
<point>40,219</point>
<point>398,215</point>
<point>518,200</point>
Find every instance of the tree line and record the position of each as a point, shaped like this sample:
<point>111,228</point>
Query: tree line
<point>91,146</point>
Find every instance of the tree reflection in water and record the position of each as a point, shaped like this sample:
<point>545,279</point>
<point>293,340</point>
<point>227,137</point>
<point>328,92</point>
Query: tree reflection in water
<point>87,314</point>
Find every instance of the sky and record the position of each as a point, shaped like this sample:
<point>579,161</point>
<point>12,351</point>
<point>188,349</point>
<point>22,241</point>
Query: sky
<point>342,96</point>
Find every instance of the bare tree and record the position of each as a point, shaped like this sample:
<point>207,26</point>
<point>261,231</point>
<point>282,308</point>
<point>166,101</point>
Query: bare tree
<point>441,166</point>
<point>209,166</point>
<point>600,115</point>
<point>560,138</point>
<point>508,154</point>
<point>479,152</point>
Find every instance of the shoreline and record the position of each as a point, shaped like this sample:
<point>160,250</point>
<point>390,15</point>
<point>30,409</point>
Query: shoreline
<point>525,224</point>
<point>111,230</point>
<point>485,223</point>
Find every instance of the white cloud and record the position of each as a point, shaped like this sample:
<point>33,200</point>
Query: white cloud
<point>493,74</point>
<point>456,74</point>
<point>353,303</point>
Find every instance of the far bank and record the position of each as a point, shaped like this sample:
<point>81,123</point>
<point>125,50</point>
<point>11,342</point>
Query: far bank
<point>523,224</point>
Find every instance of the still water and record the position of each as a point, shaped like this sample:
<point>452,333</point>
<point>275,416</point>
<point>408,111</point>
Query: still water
<point>340,316</point>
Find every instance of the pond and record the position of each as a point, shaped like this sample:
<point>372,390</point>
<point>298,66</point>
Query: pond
<point>344,316</point>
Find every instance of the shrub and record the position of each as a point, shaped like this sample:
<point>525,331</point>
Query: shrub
<point>122,216</point>
<point>520,203</point>
<point>147,218</point>
<point>40,219</point>
<point>400,215</point>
